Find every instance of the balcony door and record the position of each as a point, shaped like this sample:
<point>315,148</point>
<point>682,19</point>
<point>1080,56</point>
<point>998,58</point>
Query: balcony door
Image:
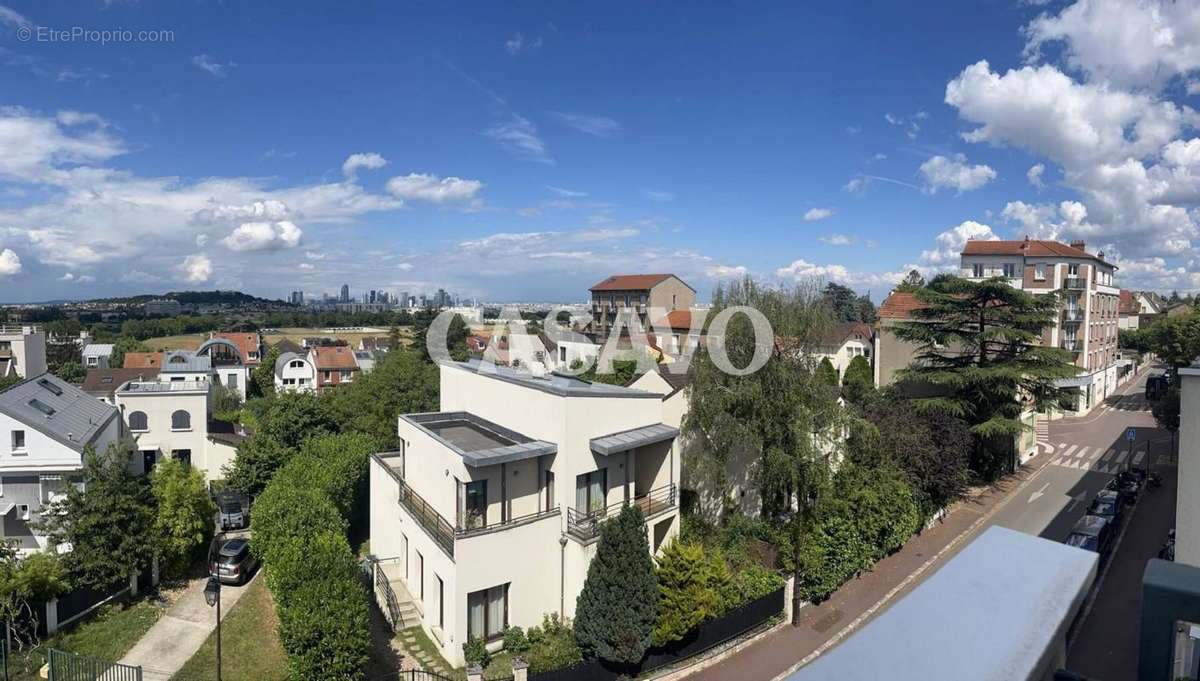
<point>472,504</point>
<point>590,491</point>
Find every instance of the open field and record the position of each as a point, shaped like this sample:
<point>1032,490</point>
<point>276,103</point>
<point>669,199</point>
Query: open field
<point>188,341</point>
<point>191,341</point>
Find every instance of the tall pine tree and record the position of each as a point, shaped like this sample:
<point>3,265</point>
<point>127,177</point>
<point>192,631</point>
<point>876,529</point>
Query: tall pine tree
<point>618,606</point>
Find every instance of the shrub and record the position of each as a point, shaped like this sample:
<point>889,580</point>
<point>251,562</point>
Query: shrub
<point>515,641</point>
<point>749,584</point>
<point>552,646</point>
<point>183,519</point>
<point>858,383</point>
<point>690,589</point>
<point>284,511</point>
<point>476,652</point>
<point>618,606</point>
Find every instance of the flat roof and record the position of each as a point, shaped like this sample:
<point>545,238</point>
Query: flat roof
<point>478,441</point>
<point>1023,592</point>
<point>562,385</point>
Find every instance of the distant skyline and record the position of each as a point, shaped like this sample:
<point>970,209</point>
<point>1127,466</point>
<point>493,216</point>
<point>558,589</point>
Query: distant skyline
<point>525,152</point>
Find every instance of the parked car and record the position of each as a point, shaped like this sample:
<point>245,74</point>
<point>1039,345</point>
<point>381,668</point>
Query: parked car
<point>1156,386</point>
<point>235,563</point>
<point>1108,504</point>
<point>1092,533</point>
<point>1126,486</point>
<point>232,511</point>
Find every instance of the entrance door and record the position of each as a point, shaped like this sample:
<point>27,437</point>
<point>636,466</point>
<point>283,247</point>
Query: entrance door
<point>184,455</point>
<point>149,458</point>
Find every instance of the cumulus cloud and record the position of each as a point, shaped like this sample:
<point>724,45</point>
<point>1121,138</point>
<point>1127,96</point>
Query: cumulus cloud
<point>367,161</point>
<point>949,244</point>
<point>954,173</point>
<point>70,277</point>
<point>261,236</point>
<point>1034,175</point>
<point>51,149</point>
<point>814,214</point>
<point>197,269</point>
<point>10,264</point>
<point>212,66</point>
<point>422,187</point>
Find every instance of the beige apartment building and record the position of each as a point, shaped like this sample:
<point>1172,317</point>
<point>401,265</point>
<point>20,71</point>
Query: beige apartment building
<point>22,351</point>
<point>487,515</point>
<point>1086,325</point>
<point>632,297</point>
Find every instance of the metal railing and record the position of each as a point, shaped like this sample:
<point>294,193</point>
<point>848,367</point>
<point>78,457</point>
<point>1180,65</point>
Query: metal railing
<point>461,531</point>
<point>1073,314</point>
<point>1075,283</point>
<point>587,525</point>
<point>384,591</point>
<point>427,517</point>
<point>1071,345</point>
<point>64,666</point>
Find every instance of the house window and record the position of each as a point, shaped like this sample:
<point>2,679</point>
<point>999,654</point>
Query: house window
<point>328,376</point>
<point>92,361</point>
<point>549,490</point>
<point>296,364</point>
<point>977,270</point>
<point>472,504</point>
<point>590,489</point>
<point>420,576</point>
<point>138,421</point>
<point>231,381</point>
<point>562,354</point>
<point>181,420</point>
<point>18,440</point>
<point>1039,271</point>
<point>487,613</point>
<point>441,596</point>
<point>1010,270</point>
<point>345,376</point>
<point>1073,270</point>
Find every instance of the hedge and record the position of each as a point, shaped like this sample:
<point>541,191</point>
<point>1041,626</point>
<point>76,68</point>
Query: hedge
<point>300,523</point>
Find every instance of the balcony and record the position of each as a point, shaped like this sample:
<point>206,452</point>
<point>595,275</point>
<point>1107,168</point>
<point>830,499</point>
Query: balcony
<point>1073,315</point>
<point>1075,283</point>
<point>1071,345</point>
<point>586,526</point>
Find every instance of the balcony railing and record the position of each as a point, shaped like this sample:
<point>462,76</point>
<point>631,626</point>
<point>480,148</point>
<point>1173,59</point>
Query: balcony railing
<point>436,526</point>
<point>1075,283</point>
<point>474,528</point>
<point>1071,345</point>
<point>586,526</point>
<point>1073,314</point>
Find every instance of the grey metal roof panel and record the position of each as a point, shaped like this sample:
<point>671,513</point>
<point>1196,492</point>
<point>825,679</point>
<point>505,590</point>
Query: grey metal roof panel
<point>77,418</point>
<point>185,362</point>
<point>630,439</point>
<point>510,445</point>
<point>98,350</point>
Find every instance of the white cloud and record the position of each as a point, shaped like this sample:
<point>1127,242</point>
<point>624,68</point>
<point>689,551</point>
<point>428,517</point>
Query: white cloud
<point>10,264</point>
<point>954,173</point>
<point>1034,175</point>
<point>912,124</point>
<point>80,279</point>
<point>658,195</point>
<point>42,149</point>
<point>10,17</point>
<point>422,187</point>
<point>517,44</point>
<point>404,266</point>
<point>726,271</point>
<point>1143,44</point>
<point>814,214</point>
<point>261,236</point>
<point>950,243</point>
<point>313,255</point>
<point>569,193</point>
<point>368,161</point>
<point>838,239</point>
<point>606,234</point>
<point>856,184</point>
<point>599,126</point>
<point>519,137</point>
<point>197,269</point>
<point>307,266</point>
<point>213,67</point>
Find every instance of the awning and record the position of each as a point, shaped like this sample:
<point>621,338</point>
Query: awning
<point>1076,382</point>
<point>629,439</point>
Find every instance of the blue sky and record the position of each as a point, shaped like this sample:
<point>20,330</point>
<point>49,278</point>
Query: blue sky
<point>524,151</point>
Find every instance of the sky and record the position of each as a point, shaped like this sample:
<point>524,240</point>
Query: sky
<point>525,151</point>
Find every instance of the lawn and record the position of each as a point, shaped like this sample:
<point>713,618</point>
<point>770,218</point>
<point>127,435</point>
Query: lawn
<point>189,341</point>
<point>250,647</point>
<point>107,636</point>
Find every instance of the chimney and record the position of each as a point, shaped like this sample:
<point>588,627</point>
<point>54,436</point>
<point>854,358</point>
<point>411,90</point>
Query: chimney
<point>1078,243</point>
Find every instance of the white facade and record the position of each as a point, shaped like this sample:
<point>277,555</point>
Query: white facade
<point>1187,501</point>
<point>97,355</point>
<point>295,373</point>
<point>26,347</point>
<point>518,523</point>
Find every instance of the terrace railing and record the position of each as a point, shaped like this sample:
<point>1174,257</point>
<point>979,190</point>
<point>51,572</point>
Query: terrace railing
<point>586,526</point>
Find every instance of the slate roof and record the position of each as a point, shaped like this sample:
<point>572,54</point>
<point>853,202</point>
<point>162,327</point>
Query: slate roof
<point>839,333</point>
<point>282,361</point>
<point>104,382</point>
<point>287,345</point>
<point>67,414</point>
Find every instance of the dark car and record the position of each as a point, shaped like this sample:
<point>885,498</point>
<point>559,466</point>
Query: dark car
<point>1125,486</point>
<point>1092,533</point>
<point>1108,504</point>
<point>234,562</point>
<point>233,511</point>
<point>1156,386</point>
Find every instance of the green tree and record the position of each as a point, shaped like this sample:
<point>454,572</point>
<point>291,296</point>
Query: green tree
<point>109,527</point>
<point>401,383</point>
<point>258,457</point>
<point>7,382</point>
<point>843,301</point>
<point>262,377</point>
<point>827,373</point>
<point>980,355</point>
<point>393,338</point>
<point>617,608</point>
<point>912,282</point>
<point>456,339</point>
<point>38,577</point>
<point>1166,410</point>
<point>183,521</point>
<point>123,345</point>
<point>1176,340</point>
<point>691,584</point>
<point>858,383</point>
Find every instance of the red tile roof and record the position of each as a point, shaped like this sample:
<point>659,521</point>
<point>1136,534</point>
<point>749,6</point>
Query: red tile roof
<point>678,320</point>
<point>1030,247</point>
<point>143,360</point>
<point>841,332</point>
<point>335,357</point>
<point>1128,304</point>
<point>631,282</point>
<point>899,305</point>
<point>245,342</point>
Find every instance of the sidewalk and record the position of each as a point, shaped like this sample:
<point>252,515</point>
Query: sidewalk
<point>823,626</point>
<point>181,631</point>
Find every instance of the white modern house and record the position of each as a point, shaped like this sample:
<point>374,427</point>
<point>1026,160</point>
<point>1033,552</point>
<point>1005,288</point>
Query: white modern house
<point>845,341</point>
<point>488,514</point>
<point>168,416</point>
<point>97,355</point>
<point>22,351</point>
<point>46,424</point>
<point>295,373</point>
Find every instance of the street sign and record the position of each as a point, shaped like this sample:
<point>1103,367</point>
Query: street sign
<point>1131,434</point>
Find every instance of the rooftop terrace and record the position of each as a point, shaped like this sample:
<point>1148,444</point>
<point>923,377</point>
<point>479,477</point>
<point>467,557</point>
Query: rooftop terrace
<point>478,441</point>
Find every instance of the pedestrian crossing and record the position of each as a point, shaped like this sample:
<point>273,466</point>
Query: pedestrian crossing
<point>1098,459</point>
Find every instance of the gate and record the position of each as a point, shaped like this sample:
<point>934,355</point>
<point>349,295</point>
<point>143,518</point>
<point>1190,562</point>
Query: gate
<point>66,666</point>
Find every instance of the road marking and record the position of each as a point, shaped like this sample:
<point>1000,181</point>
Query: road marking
<point>1083,452</point>
<point>1094,455</point>
<point>1038,494</point>
<point>1109,454</point>
<point>1068,452</point>
<point>1121,458</point>
<point>1061,445</point>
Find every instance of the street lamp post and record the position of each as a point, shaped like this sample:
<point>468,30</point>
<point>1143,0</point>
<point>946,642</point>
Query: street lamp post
<point>212,596</point>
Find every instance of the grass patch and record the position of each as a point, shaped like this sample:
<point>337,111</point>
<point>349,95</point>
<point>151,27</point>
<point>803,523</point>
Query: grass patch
<point>250,647</point>
<point>423,645</point>
<point>108,635</point>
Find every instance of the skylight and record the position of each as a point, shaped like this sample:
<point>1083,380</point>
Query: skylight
<point>48,385</point>
<point>42,407</point>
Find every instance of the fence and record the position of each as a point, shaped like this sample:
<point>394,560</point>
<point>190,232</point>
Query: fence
<point>66,666</point>
<point>708,635</point>
<point>413,675</point>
